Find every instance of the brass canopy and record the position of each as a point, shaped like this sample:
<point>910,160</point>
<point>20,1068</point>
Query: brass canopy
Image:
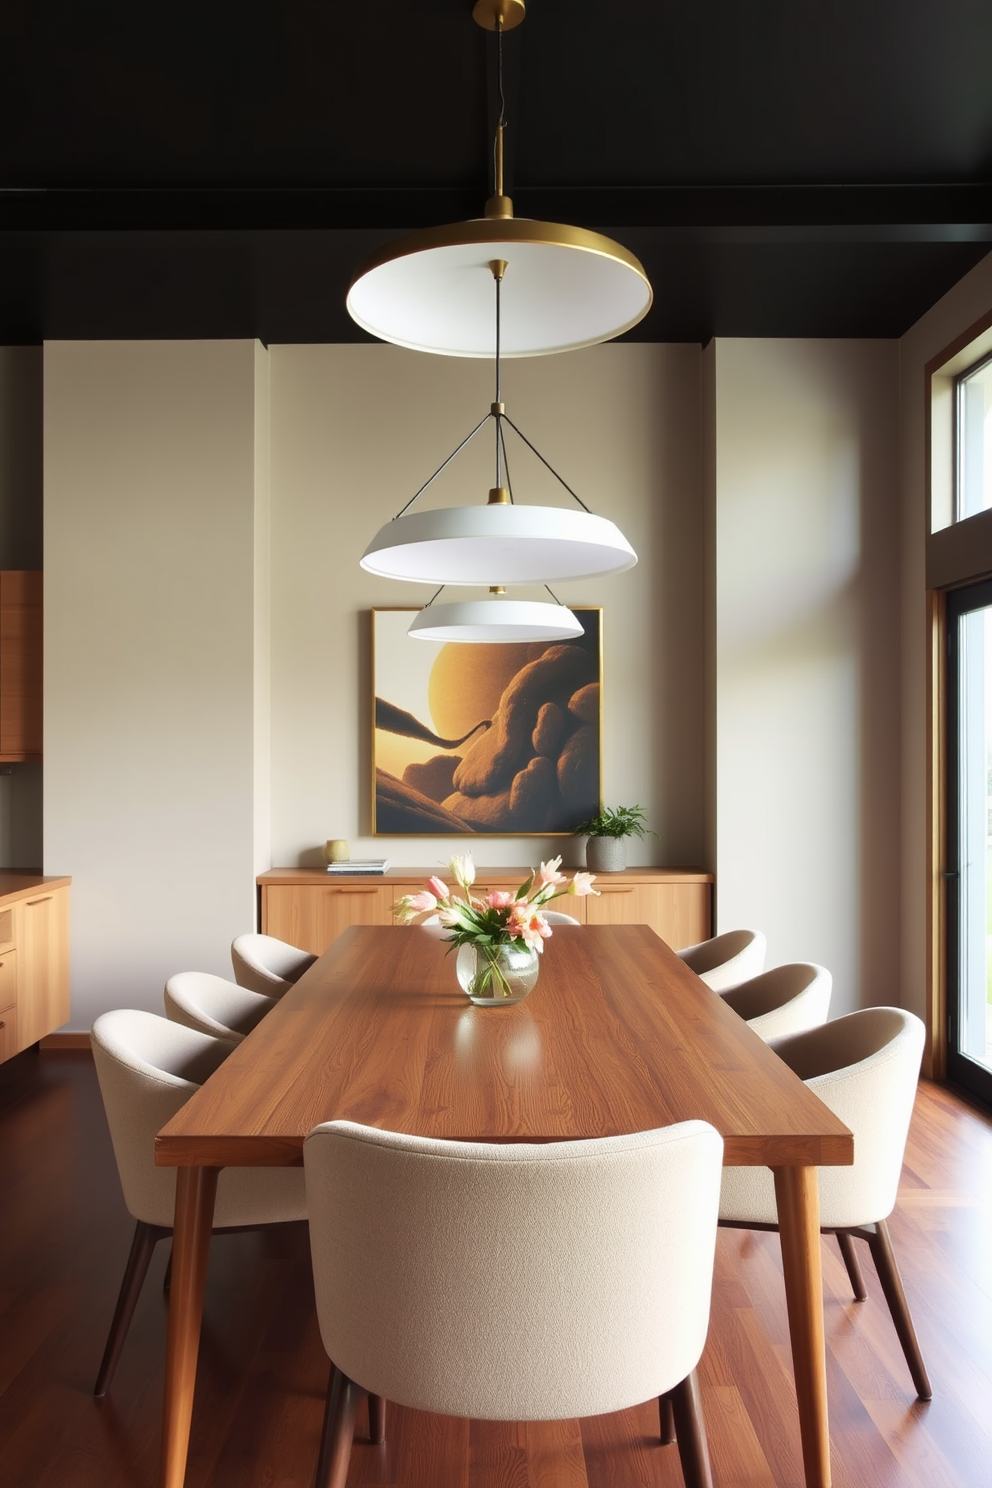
<point>499,496</point>
<point>509,13</point>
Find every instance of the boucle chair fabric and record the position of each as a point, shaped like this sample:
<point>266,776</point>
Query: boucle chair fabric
<point>557,917</point>
<point>200,1000</point>
<point>148,1068</point>
<point>516,1281</point>
<point>728,959</point>
<point>267,965</point>
<point>786,1000</point>
<point>865,1068</point>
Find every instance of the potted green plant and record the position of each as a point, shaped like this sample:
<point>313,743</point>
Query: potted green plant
<point>606,849</point>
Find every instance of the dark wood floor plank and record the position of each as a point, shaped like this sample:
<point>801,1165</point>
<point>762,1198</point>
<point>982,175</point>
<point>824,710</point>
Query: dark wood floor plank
<point>64,1238</point>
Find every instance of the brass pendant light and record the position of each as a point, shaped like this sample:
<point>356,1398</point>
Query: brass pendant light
<point>571,287</point>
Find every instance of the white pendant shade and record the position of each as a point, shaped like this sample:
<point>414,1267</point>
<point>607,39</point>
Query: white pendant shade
<point>498,544</point>
<point>565,287</point>
<point>495,621</point>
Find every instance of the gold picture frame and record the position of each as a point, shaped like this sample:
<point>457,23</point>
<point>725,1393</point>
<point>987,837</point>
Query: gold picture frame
<point>485,740</point>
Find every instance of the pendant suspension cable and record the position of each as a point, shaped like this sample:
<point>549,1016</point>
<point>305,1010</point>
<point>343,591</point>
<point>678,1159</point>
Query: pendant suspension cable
<point>506,463</point>
<point>468,438</point>
<point>546,463</point>
<point>438,591</point>
<point>553,595</point>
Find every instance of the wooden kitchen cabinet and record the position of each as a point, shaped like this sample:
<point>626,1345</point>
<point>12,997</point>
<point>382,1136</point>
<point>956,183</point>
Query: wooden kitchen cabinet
<point>34,959</point>
<point>20,665</point>
<point>300,905</point>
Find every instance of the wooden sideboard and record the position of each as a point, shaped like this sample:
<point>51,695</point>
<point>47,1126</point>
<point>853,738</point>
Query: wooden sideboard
<point>34,959</point>
<point>309,908</point>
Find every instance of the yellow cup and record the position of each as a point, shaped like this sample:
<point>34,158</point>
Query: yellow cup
<point>336,851</point>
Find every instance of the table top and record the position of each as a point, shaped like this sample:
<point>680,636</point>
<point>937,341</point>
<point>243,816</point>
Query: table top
<point>618,1036</point>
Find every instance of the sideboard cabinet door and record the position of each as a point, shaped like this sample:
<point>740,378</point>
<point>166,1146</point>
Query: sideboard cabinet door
<point>678,912</point>
<point>312,918</point>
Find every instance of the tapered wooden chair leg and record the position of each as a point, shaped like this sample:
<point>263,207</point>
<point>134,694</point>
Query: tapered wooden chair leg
<point>847,1250</point>
<point>377,1419</point>
<point>666,1420</point>
<point>888,1275</point>
<point>167,1278</point>
<point>691,1434</point>
<point>146,1237</point>
<point>343,1396</point>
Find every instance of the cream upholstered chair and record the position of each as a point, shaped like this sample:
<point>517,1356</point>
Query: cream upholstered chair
<point>865,1067</point>
<point>148,1068</point>
<point>198,999</point>
<point>785,1000</point>
<point>453,1276</point>
<point>267,965</point>
<point>728,959</point>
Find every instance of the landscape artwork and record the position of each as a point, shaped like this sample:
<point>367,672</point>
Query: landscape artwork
<point>493,739</point>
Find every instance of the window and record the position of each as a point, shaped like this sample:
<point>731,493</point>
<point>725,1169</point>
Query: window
<point>973,473</point>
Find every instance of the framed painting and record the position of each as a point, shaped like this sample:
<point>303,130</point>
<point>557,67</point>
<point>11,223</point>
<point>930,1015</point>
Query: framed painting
<point>492,739</point>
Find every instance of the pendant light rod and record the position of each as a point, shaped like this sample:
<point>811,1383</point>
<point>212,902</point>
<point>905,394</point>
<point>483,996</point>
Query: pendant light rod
<point>545,462</point>
<point>467,440</point>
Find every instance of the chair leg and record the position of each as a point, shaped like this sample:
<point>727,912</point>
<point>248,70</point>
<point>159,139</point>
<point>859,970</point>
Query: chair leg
<point>343,1396</point>
<point>167,1278</point>
<point>888,1275</point>
<point>666,1420</point>
<point>846,1242</point>
<point>146,1237</point>
<point>377,1419</point>
<point>691,1433</point>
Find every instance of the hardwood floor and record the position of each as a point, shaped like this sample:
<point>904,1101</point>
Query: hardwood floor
<point>64,1237</point>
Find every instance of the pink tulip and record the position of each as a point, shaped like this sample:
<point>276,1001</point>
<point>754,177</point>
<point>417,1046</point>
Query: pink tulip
<point>582,884</point>
<point>438,887</point>
<point>499,899</point>
<point>422,903</point>
<point>548,874</point>
<point>529,925</point>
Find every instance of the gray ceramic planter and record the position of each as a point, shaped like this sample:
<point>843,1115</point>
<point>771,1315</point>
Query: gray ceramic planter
<point>606,854</point>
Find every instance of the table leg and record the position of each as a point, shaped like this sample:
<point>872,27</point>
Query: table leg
<point>195,1192</point>
<point>798,1199</point>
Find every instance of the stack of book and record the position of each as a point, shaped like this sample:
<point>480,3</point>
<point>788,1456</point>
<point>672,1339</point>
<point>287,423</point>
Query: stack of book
<point>359,865</point>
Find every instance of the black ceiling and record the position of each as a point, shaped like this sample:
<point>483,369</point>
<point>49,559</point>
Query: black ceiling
<point>206,168</point>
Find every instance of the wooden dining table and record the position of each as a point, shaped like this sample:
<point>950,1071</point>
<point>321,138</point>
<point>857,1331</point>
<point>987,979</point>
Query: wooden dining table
<point>618,1036</point>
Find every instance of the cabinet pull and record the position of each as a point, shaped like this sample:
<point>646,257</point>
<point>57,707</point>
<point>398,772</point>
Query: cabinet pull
<point>616,891</point>
<point>345,889</point>
<point>43,900</point>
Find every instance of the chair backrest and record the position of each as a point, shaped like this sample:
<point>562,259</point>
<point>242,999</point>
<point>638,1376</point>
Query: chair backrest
<point>148,1068</point>
<point>556,917</point>
<point>513,1282</point>
<point>865,1067</point>
<point>267,965</point>
<point>728,959</point>
<point>785,1000</point>
<point>198,999</point>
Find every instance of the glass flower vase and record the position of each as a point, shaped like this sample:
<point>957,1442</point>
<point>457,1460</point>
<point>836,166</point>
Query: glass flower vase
<point>496,975</point>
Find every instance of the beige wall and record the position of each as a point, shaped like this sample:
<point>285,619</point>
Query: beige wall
<point>150,497</point>
<point>206,505</point>
<point>807,654</point>
<point>355,431</point>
